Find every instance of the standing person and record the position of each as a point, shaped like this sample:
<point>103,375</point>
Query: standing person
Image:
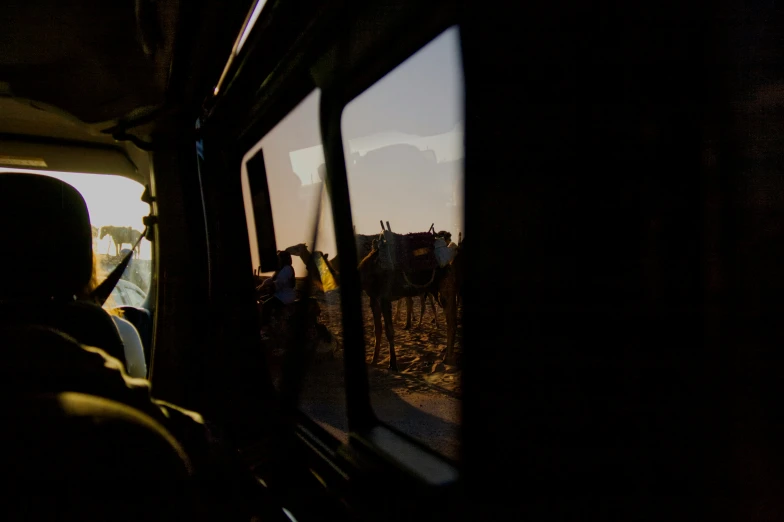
<point>285,282</point>
<point>136,365</point>
<point>283,285</point>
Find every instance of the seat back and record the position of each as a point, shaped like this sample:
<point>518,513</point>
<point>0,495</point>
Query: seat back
<point>86,322</point>
<point>142,320</point>
<point>69,452</point>
<point>71,456</point>
<point>46,258</point>
<point>71,436</point>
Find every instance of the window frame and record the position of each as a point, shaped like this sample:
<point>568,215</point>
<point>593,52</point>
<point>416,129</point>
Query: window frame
<point>365,427</point>
<point>342,66</point>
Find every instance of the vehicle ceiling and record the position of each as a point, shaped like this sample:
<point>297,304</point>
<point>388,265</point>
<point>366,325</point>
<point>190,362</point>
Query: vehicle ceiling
<point>82,71</point>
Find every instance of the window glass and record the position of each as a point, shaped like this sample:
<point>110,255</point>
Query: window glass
<point>293,159</point>
<point>403,143</point>
<point>116,214</point>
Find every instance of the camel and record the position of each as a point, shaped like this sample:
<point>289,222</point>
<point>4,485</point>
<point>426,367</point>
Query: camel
<point>385,286</point>
<point>319,281</point>
<point>443,234</point>
<point>121,236</point>
<point>363,249</point>
<point>364,244</point>
<point>301,250</point>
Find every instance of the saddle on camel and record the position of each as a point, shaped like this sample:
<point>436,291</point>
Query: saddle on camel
<point>413,252</point>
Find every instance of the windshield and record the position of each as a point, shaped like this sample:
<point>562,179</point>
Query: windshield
<point>116,214</point>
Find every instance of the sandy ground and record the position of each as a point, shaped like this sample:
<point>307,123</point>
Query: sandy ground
<point>422,399</point>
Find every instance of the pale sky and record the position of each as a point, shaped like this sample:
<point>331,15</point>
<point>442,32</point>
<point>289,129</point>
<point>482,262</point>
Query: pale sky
<point>111,200</point>
<point>447,146</point>
<point>403,143</point>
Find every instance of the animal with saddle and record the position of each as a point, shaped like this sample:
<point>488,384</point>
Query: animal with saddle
<point>327,274</point>
<point>401,266</point>
<point>121,236</point>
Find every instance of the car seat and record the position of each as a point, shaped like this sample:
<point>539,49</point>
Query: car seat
<point>46,258</point>
<point>71,453</point>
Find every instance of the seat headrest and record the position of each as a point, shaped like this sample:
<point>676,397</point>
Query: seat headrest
<point>46,245</point>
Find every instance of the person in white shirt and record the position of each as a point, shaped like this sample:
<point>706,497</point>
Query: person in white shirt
<point>282,284</point>
<point>132,342</point>
<point>135,363</point>
<point>447,254</point>
<point>285,282</point>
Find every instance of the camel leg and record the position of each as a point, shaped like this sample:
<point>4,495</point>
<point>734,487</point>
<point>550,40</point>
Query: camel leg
<point>376,309</point>
<point>422,303</point>
<point>398,306</point>
<point>386,309</point>
<point>409,312</point>
<point>435,311</point>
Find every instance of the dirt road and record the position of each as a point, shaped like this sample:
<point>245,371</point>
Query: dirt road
<point>421,400</point>
<point>427,414</point>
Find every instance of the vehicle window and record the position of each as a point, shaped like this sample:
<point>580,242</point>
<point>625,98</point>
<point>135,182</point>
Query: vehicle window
<point>293,159</point>
<point>403,143</point>
<point>116,214</point>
